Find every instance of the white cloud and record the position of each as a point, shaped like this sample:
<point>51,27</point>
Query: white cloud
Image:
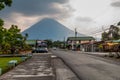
<point>23,22</point>
<point>91,15</point>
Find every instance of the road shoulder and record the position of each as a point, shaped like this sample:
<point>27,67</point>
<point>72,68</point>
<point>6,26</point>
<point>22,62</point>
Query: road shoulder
<point>62,71</point>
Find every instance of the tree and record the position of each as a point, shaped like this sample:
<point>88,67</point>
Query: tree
<point>112,34</point>
<point>104,36</point>
<point>14,35</point>
<point>9,37</point>
<point>4,3</point>
<point>118,23</point>
<point>1,22</point>
<point>58,44</point>
<point>1,31</point>
<point>49,42</point>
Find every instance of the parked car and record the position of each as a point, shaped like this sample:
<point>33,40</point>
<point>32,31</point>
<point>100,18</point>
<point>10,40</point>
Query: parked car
<point>40,50</point>
<point>54,48</point>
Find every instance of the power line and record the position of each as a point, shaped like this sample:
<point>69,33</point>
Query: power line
<point>99,31</point>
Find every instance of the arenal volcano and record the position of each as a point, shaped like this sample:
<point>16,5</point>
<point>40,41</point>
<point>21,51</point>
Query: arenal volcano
<point>49,29</point>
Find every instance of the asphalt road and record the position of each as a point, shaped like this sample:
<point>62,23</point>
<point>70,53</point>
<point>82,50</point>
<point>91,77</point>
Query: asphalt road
<point>88,67</point>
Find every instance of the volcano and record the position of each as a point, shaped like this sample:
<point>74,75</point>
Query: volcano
<point>49,29</point>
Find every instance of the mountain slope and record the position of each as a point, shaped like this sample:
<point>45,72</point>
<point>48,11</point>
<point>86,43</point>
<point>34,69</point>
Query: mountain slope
<point>49,29</point>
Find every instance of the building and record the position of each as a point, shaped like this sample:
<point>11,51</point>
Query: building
<point>76,43</point>
<point>36,43</point>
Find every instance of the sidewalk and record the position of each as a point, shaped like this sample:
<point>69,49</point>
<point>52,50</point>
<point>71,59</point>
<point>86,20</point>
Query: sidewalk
<point>97,53</point>
<point>37,68</point>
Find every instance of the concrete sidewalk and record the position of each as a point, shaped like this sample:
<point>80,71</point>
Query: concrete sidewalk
<point>37,68</point>
<point>97,53</point>
<point>103,54</point>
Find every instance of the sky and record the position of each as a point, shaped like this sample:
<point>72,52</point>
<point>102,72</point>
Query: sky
<point>87,16</point>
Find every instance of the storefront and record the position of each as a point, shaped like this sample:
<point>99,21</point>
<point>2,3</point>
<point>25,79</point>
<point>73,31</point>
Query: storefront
<point>75,43</point>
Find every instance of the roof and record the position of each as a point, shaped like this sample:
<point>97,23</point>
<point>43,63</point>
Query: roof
<point>31,42</point>
<point>116,41</point>
<point>81,38</point>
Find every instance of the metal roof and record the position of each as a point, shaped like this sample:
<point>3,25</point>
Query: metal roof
<point>80,38</point>
<point>31,42</point>
<point>117,41</point>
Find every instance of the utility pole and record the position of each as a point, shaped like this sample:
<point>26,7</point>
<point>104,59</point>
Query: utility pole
<point>75,38</point>
<point>64,43</point>
<point>75,32</point>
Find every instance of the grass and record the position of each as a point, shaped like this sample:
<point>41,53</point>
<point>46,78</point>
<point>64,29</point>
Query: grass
<point>4,62</point>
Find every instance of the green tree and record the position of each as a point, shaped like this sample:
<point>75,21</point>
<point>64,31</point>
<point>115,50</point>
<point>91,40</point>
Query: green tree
<point>1,22</point>
<point>113,33</point>
<point>1,32</point>
<point>14,35</point>
<point>23,44</point>
<point>49,43</point>
<point>11,38</point>
<point>118,23</point>
<point>1,29</point>
<point>58,44</point>
<point>104,36</point>
<point>4,3</point>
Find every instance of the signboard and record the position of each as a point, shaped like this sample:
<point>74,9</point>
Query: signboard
<point>84,42</point>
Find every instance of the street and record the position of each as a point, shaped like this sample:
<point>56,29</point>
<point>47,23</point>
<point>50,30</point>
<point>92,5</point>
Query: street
<point>88,67</point>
